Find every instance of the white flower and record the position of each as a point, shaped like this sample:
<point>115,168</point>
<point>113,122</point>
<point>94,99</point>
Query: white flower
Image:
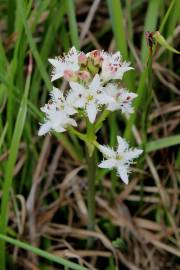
<point>119,98</point>
<point>57,114</point>
<point>113,67</point>
<point>120,159</point>
<point>61,102</point>
<point>88,97</point>
<point>68,63</point>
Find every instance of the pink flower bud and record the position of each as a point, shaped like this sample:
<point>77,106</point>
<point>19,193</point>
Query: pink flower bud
<point>96,55</point>
<point>82,59</point>
<point>69,75</point>
<point>84,75</point>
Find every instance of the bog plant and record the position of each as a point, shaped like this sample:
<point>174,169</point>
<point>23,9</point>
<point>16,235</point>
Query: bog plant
<point>95,89</point>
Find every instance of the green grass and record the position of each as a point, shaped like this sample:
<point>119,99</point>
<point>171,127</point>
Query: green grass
<point>150,24</point>
<point>116,14</point>
<point>42,253</point>
<point>162,143</point>
<point>142,90</point>
<point>18,129</point>
<point>73,29</point>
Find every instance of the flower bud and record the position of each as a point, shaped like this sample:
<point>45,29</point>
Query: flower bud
<point>84,75</point>
<point>96,56</point>
<point>69,75</point>
<point>82,59</point>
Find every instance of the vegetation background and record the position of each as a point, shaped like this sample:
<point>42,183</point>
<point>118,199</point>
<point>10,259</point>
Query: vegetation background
<point>43,183</point>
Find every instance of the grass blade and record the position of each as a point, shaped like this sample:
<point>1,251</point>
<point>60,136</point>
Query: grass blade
<point>72,23</point>
<point>166,16</point>
<point>137,105</point>
<point>116,15</point>
<point>47,43</point>
<point>150,25</point>
<point>115,11</point>
<point>3,59</point>
<point>33,47</point>
<point>162,143</point>
<point>3,134</point>
<point>173,18</point>
<point>42,253</point>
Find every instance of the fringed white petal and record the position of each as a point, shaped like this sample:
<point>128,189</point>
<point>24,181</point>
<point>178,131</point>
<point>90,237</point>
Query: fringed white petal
<point>44,128</point>
<point>108,164</point>
<point>107,151</point>
<point>122,145</point>
<point>123,173</point>
<point>132,154</point>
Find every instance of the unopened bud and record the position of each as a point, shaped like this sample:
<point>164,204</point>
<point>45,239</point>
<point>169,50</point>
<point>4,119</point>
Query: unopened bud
<point>96,56</point>
<point>84,75</point>
<point>69,75</point>
<point>82,59</point>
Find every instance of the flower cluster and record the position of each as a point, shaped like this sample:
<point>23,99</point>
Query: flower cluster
<point>95,86</point>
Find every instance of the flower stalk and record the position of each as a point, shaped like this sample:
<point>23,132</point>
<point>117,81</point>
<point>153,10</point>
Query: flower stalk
<point>91,169</point>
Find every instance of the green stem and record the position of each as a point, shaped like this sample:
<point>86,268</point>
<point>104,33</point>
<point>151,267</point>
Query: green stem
<point>91,163</point>
<point>80,135</point>
<point>100,120</point>
<point>148,97</point>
